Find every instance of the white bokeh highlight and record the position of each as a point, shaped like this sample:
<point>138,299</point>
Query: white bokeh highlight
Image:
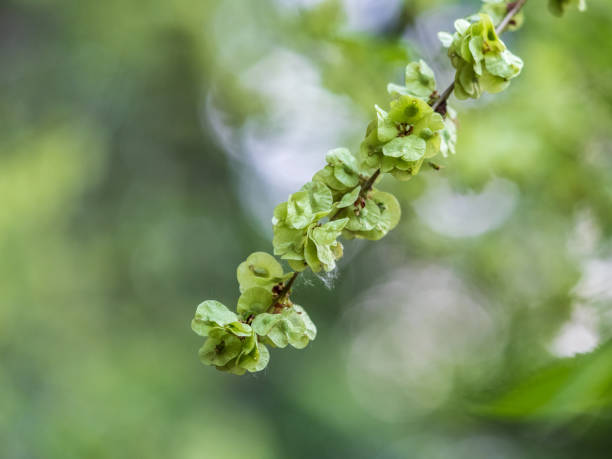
<point>578,335</point>
<point>411,335</point>
<point>466,214</point>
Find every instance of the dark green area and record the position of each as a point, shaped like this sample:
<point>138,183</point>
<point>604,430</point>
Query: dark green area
<point>121,211</point>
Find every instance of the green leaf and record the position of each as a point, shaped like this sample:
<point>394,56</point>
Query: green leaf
<point>303,323</point>
<point>298,265</point>
<point>468,81</point>
<point>420,79</point>
<point>253,356</point>
<point>310,256</point>
<point>420,82</point>
<point>232,367</point>
<point>220,348</point>
<point>254,301</point>
<point>408,109</point>
<point>292,326</point>
<point>344,170</point>
<point>406,175</point>
<point>461,26</point>
<point>256,360</point>
<point>288,242</point>
<point>261,269</point>
<point>390,214</point>
<point>390,210</point>
<point>327,177</point>
<point>476,46</point>
<point>370,149</point>
<point>234,349</point>
<point>263,323</point>
<point>326,234</point>
<point>211,314</point>
<point>505,65</point>
<point>308,205</point>
<point>324,239</point>
<point>398,90</point>
<point>562,390</point>
<point>239,329</point>
<point>428,129</point>
<point>366,219</point>
<point>349,198</point>
<point>386,127</point>
<point>346,177</point>
<point>480,58</point>
<point>409,148</point>
<point>493,84</point>
<point>342,157</point>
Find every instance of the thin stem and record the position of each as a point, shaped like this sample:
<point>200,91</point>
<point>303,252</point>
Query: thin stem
<point>287,287</point>
<point>445,95</point>
<point>501,27</point>
<point>369,184</point>
<point>364,191</point>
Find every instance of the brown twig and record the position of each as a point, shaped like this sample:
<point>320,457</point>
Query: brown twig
<point>287,287</point>
<point>369,184</point>
<point>501,27</point>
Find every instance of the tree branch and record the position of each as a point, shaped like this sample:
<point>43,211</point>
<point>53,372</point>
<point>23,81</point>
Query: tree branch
<point>284,292</point>
<point>513,11</point>
<point>440,102</point>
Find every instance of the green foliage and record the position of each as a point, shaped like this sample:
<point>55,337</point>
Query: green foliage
<point>211,314</point>
<point>254,301</point>
<point>121,208</point>
<point>341,199</point>
<point>298,235</point>
<point>313,202</point>
<point>380,215</point>
<point>341,175</point>
<point>349,198</point>
<point>290,326</point>
<point>399,141</point>
<point>322,248</point>
<point>402,138</point>
<point>234,354</point>
<point>580,385</point>
<point>231,344</point>
<point>260,269</point>
<point>420,81</point>
<point>234,342</point>
<point>480,58</point>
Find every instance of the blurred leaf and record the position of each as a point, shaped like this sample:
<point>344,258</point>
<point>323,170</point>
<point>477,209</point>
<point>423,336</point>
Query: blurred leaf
<point>567,388</point>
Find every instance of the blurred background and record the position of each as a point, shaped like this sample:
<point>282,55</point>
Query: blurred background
<point>143,146</point>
